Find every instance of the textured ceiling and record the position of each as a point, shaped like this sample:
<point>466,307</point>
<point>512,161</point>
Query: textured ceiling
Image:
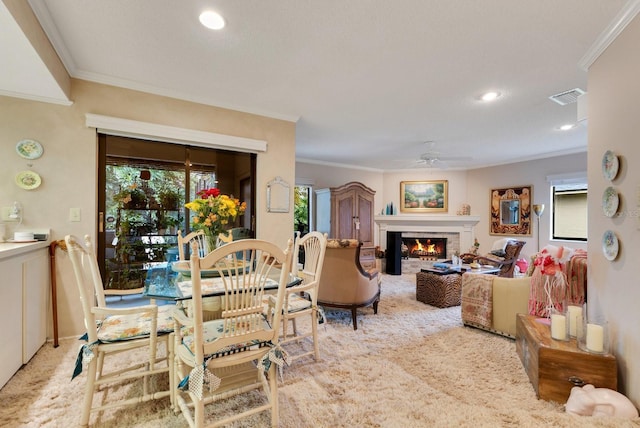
<point>367,81</point>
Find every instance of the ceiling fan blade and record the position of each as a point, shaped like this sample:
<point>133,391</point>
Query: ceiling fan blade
<point>455,158</point>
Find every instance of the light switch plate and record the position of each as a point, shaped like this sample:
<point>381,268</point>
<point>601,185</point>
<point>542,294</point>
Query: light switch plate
<point>74,214</point>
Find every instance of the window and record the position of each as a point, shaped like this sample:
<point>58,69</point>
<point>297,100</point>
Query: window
<point>301,207</point>
<point>569,207</point>
<point>143,186</point>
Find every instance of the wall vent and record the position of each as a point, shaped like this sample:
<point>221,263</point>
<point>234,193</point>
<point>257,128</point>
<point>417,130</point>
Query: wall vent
<point>567,97</point>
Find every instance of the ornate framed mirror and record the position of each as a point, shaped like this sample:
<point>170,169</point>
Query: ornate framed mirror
<point>511,211</point>
<point>278,196</point>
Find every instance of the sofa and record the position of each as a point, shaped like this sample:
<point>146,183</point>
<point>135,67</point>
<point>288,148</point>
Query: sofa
<point>344,283</point>
<point>574,292</point>
<point>490,302</point>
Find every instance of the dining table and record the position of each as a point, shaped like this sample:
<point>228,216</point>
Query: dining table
<point>172,281</point>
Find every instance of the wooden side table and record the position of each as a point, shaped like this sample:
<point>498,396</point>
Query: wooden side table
<point>554,367</point>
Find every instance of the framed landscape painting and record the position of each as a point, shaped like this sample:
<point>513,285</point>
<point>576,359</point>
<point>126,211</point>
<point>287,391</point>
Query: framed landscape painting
<point>423,196</point>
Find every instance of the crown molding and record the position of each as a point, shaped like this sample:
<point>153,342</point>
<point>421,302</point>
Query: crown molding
<point>619,23</point>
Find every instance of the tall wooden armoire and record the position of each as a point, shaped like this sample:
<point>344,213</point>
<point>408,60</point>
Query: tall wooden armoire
<point>346,212</point>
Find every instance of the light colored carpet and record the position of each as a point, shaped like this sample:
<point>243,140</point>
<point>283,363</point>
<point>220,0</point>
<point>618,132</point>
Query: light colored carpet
<point>409,365</point>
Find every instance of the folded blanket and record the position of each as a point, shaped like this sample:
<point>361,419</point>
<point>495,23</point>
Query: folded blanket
<point>477,299</point>
<point>441,265</point>
<point>573,289</point>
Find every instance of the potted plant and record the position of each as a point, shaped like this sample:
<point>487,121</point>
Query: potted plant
<point>138,199</point>
<point>169,199</point>
<point>162,222</point>
<point>173,223</point>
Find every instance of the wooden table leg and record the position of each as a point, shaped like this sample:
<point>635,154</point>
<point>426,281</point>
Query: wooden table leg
<point>54,297</point>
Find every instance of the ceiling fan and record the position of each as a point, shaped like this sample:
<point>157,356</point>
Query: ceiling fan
<point>433,159</point>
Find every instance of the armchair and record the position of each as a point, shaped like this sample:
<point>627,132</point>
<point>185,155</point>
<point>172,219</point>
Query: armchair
<point>344,283</point>
<point>505,263</point>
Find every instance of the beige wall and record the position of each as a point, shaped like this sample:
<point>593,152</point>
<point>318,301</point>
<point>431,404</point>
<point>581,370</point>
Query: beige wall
<point>69,164</point>
<point>613,111</point>
<point>534,173</point>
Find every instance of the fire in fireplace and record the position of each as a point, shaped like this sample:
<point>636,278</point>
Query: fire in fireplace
<point>424,248</point>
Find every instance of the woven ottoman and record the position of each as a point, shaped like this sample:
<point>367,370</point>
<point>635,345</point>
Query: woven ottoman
<point>441,291</point>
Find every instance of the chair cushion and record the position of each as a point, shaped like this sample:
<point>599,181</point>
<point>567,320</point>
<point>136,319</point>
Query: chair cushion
<point>212,330</point>
<point>297,303</point>
<point>124,327</point>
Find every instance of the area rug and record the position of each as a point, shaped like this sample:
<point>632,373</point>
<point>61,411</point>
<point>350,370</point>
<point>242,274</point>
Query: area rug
<point>410,365</point>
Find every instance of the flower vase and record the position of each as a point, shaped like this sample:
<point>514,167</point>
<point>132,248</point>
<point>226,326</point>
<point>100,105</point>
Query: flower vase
<point>211,241</point>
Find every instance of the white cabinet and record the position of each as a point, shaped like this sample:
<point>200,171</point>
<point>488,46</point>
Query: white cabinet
<point>23,292</point>
<point>35,278</point>
<point>10,317</point>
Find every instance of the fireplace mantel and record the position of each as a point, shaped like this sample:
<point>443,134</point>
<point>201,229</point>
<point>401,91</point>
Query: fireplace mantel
<point>462,224</point>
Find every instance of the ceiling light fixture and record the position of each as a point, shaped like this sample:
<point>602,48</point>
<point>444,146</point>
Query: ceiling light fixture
<point>567,127</point>
<point>212,20</point>
<point>490,96</point>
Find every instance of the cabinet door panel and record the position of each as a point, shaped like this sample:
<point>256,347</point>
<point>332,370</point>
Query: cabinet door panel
<point>36,280</point>
<point>10,318</point>
<point>365,211</point>
<point>344,217</point>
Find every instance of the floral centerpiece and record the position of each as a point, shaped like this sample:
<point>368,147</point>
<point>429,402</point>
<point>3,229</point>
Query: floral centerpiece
<point>212,212</point>
<point>550,262</point>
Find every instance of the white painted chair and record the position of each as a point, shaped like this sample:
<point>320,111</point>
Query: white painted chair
<point>199,237</point>
<point>238,353</point>
<point>302,300</point>
<point>112,331</point>
<point>211,305</point>
<point>187,241</point>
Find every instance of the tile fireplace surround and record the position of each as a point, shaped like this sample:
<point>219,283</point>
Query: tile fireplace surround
<point>459,231</point>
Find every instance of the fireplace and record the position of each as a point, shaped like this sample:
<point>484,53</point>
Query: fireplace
<point>458,230</point>
<point>429,248</point>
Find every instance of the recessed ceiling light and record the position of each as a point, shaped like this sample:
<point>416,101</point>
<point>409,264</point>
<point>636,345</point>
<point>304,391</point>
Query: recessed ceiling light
<point>567,127</point>
<point>212,20</point>
<point>490,96</point>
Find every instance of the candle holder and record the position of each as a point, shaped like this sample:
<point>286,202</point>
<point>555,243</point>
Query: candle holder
<point>559,324</point>
<point>594,336</point>
<point>575,319</point>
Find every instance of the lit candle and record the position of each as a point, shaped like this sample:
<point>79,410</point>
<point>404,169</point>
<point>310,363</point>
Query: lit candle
<point>558,327</point>
<point>575,320</point>
<point>595,337</point>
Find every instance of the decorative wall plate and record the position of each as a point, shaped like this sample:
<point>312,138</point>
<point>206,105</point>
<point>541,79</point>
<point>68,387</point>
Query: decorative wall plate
<point>29,149</point>
<point>609,165</point>
<point>28,180</point>
<point>610,245</point>
<point>610,201</point>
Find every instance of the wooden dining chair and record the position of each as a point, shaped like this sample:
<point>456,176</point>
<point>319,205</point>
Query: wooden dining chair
<point>113,331</point>
<point>185,243</point>
<point>211,305</point>
<point>239,352</point>
<point>302,300</point>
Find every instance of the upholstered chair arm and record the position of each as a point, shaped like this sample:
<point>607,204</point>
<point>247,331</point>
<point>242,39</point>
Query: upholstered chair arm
<point>369,274</point>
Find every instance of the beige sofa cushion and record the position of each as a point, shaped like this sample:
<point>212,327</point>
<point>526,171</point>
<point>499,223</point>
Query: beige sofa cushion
<point>510,297</point>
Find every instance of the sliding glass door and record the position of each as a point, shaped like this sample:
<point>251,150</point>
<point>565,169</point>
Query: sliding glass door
<point>143,186</point>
